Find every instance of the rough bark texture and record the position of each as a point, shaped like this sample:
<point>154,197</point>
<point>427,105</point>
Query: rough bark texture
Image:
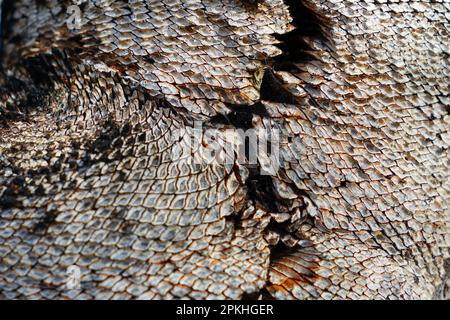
<point>357,210</point>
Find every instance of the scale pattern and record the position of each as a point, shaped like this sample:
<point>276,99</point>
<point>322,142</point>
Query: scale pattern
<point>90,121</point>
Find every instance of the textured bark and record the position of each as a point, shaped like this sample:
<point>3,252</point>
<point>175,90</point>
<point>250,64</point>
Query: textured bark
<point>90,119</point>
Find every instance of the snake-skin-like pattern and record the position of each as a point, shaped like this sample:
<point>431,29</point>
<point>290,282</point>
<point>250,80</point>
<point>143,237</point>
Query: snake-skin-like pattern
<point>90,118</point>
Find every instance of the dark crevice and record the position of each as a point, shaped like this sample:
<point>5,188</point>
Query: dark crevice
<point>240,116</point>
<point>272,89</point>
<point>295,50</point>
<point>293,44</point>
<point>280,251</point>
<point>26,95</point>
<point>262,191</point>
<point>262,294</point>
